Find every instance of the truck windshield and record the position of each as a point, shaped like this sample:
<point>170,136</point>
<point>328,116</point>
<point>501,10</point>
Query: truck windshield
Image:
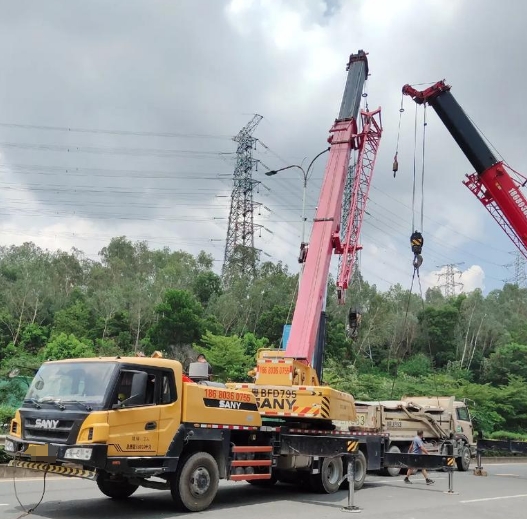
<point>71,382</point>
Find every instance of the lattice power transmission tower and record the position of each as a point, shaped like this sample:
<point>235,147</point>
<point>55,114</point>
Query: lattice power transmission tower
<point>520,277</point>
<point>450,283</point>
<point>240,254</point>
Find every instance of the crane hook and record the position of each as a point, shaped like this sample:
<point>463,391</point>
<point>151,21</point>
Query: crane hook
<point>395,167</point>
<point>417,241</point>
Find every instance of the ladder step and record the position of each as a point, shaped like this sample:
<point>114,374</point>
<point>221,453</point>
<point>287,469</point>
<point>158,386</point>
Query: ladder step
<point>252,448</point>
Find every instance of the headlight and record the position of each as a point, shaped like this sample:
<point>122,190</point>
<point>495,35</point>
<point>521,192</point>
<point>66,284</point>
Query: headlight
<point>78,453</point>
<point>9,446</point>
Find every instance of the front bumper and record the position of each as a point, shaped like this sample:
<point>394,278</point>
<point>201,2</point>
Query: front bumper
<point>50,457</point>
<point>38,455</point>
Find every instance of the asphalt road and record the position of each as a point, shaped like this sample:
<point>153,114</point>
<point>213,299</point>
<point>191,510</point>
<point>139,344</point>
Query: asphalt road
<point>502,493</point>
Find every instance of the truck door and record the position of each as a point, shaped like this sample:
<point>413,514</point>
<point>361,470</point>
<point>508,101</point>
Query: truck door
<point>134,420</point>
<point>169,404</point>
<point>464,423</point>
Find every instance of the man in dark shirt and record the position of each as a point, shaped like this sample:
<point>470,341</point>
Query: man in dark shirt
<point>417,447</point>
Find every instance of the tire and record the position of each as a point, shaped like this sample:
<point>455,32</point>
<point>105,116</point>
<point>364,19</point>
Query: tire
<point>195,483</point>
<point>391,471</point>
<point>327,481</point>
<point>361,468</point>
<point>463,462</point>
<point>115,488</point>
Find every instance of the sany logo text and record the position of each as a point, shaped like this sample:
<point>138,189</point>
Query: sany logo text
<point>46,424</point>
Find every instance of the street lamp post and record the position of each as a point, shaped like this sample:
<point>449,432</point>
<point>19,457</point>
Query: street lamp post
<point>305,176</point>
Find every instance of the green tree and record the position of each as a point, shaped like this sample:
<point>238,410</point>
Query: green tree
<point>179,320</point>
<point>271,323</point>
<point>67,347</point>
<point>439,333</point>
<point>205,285</point>
<point>227,356</point>
<point>75,319</point>
<point>507,360</point>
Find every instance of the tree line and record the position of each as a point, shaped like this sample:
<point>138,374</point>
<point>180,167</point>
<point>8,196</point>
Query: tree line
<point>56,304</point>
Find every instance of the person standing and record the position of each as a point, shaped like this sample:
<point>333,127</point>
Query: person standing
<point>418,447</point>
<point>202,358</point>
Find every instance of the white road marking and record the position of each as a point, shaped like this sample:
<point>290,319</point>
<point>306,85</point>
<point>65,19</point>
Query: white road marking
<point>4,504</point>
<point>514,475</point>
<point>493,498</point>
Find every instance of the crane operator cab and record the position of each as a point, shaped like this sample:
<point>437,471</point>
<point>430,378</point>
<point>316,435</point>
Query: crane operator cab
<point>354,319</point>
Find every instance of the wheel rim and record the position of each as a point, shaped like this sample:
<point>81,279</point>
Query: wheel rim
<point>332,473</point>
<point>200,481</point>
<point>466,456</point>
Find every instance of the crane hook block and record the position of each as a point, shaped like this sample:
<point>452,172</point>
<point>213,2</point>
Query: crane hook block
<point>416,241</point>
<point>395,167</point>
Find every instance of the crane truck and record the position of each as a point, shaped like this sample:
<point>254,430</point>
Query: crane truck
<point>133,421</point>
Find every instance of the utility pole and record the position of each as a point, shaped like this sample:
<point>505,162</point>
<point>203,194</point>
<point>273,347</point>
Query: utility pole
<point>450,283</point>
<point>305,178</point>
<point>240,254</point>
<point>520,277</point>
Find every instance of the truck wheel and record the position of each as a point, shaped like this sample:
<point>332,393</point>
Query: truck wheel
<point>115,488</point>
<point>392,471</point>
<point>195,483</point>
<point>327,481</point>
<point>463,462</point>
<point>361,467</point>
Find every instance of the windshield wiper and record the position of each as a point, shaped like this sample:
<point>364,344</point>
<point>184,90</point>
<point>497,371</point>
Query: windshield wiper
<point>34,402</point>
<point>88,407</point>
<point>57,403</point>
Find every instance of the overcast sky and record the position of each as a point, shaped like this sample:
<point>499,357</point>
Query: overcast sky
<point>116,118</point>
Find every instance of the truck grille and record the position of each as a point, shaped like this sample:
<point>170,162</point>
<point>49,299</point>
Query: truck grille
<point>49,431</point>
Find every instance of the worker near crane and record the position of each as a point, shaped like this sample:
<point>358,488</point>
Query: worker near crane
<point>417,447</point>
<point>202,358</point>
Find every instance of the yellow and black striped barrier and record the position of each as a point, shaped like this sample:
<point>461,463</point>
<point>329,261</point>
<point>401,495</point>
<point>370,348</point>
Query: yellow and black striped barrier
<point>450,462</point>
<point>54,469</point>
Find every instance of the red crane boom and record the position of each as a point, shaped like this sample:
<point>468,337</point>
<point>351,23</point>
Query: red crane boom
<point>491,183</point>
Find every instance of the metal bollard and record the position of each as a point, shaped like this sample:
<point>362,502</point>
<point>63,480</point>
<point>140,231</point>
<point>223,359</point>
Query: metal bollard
<point>351,489</point>
<point>450,451</point>
<point>478,471</point>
